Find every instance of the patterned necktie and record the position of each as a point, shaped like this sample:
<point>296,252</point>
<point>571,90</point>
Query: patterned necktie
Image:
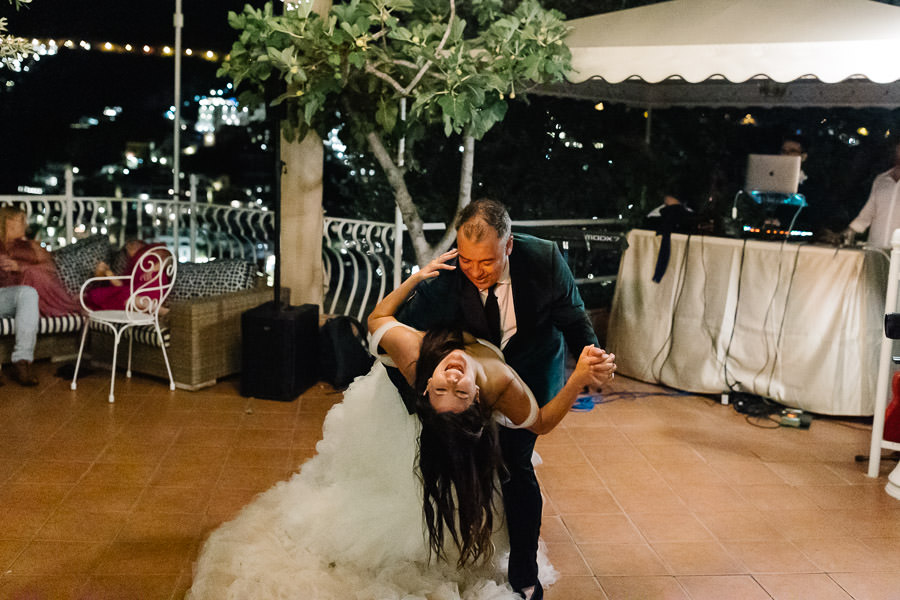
<point>492,312</point>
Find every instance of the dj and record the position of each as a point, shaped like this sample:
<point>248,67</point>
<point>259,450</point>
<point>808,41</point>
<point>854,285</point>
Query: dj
<point>880,212</point>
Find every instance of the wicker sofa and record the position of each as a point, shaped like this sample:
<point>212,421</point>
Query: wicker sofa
<point>202,329</point>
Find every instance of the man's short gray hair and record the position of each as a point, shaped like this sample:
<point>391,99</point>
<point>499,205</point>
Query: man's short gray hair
<point>481,216</point>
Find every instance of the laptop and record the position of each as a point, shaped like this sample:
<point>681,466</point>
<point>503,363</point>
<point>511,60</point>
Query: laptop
<point>772,173</point>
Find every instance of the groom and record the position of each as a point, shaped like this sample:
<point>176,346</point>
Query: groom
<point>527,282</point>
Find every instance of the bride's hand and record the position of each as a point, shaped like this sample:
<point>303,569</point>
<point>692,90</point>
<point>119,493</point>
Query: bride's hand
<point>434,268</point>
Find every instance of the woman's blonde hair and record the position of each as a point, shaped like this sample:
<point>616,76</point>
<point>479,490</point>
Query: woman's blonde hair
<point>7,213</point>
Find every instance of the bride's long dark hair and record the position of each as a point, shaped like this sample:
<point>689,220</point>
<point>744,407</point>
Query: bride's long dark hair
<point>459,462</point>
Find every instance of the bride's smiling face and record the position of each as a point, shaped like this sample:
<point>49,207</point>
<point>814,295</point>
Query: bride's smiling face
<point>452,387</point>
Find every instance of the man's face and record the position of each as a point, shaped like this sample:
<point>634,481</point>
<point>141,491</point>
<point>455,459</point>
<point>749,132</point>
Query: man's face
<point>792,148</point>
<point>483,262</point>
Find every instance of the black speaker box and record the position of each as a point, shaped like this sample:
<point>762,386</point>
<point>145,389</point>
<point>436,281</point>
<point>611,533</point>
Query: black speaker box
<point>280,350</point>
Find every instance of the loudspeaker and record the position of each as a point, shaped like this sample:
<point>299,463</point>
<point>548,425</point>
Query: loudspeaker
<point>280,350</point>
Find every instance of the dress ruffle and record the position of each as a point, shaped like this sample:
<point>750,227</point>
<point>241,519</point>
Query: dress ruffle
<point>349,524</point>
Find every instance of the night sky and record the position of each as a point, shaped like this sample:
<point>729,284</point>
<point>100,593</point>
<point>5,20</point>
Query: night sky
<point>38,112</point>
<point>147,22</point>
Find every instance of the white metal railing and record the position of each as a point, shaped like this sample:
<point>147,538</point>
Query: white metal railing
<point>362,260</point>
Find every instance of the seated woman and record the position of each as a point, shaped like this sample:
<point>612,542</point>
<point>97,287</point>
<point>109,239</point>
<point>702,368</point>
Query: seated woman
<point>350,523</point>
<point>114,294</point>
<point>25,262</point>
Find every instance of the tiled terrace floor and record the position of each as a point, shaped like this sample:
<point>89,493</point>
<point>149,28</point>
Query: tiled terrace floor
<point>647,496</point>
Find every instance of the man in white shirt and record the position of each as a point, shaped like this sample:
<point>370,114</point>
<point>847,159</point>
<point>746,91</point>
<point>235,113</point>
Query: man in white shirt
<point>880,215</point>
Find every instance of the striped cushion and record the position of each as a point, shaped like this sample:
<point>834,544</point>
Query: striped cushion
<point>46,325</point>
<point>145,334</point>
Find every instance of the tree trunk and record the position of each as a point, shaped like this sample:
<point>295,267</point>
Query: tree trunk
<point>302,219</point>
<point>301,211</point>
<point>408,210</point>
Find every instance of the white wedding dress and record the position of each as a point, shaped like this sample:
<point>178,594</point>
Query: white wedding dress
<point>349,524</point>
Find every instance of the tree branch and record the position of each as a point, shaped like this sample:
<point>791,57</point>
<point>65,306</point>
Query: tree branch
<point>466,173</point>
<point>385,77</point>
<point>437,50</point>
<point>408,210</point>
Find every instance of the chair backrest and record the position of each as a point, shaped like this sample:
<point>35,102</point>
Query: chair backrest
<point>152,279</point>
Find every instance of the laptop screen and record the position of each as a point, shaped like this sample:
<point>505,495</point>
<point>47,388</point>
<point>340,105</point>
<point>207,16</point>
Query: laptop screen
<point>772,173</point>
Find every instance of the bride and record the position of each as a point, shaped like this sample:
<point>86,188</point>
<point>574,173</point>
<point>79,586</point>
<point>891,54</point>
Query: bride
<point>366,517</point>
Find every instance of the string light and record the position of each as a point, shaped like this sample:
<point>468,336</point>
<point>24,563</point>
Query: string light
<point>50,47</point>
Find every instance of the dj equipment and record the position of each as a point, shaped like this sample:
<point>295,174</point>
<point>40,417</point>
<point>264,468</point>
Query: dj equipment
<point>280,353</point>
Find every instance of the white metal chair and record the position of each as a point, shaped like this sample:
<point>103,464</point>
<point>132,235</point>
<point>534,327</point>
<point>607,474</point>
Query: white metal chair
<point>149,283</point>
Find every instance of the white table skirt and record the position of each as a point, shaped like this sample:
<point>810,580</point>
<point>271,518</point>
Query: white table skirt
<point>799,324</point>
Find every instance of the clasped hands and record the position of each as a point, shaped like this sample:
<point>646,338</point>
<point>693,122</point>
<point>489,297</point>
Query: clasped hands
<point>596,366</point>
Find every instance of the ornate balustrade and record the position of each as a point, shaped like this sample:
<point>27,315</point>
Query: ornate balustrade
<point>363,260</point>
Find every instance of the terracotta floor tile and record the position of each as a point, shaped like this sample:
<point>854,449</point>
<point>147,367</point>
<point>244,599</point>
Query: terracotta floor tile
<point>575,588</point>
<point>590,500</point>
<point>9,550</point>
<point>129,587</point>
<point>101,474</point>
<point>845,555</point>
<point>798,586</point>
<point>597,436</point>
<point>50,471</point>
<point>207,436</point>
<point>22,523</point>
<point>567,559</point>
<point>665,454</point>
<point>623,559</point>
<point>561,456</point>
<point>747,472</point>
<point>781,497</point>
<point>264,438</point>
<point>32,496</point>
<point>698,558</point>
<point>611,453</point>
<point>572,477</point>
<point>554,530</point>
<point>39,587</point>
<point>645,588</point>
<point>78,525</point>
<point>869,586</point>
<point>771,556</point>
<point>705,497</point>
<point>629,473</point>
<point>805,473</point>
<point>858,497</point>
<point>259,457</point>
<point>57,558</point>
<point>742,525</point>
<point>609,528</point>
<point>680,526</point>
<point>171,499</point>
<point>102,498</point>
<point>160,556</point>
<point>720,587</point>
<point>640,497</point>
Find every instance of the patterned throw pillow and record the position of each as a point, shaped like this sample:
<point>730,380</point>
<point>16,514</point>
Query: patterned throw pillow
<point>197,280</point>
<point>76,262</point>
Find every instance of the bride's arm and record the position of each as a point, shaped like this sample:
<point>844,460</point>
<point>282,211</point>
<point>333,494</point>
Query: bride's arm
<point>384,310</point>
<point>515,395</point>
<point>402,344</point>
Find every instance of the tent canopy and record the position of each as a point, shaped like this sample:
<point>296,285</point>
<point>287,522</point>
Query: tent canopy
<point>739,52</point>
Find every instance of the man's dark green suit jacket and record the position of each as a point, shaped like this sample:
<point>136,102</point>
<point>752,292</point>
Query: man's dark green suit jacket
<point>549,313</point>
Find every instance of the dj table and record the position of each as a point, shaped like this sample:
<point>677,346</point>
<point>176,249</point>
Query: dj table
<point>799,324</point>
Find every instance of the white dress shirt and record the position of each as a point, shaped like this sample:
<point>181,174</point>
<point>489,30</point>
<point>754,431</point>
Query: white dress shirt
<point>880,215</point>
